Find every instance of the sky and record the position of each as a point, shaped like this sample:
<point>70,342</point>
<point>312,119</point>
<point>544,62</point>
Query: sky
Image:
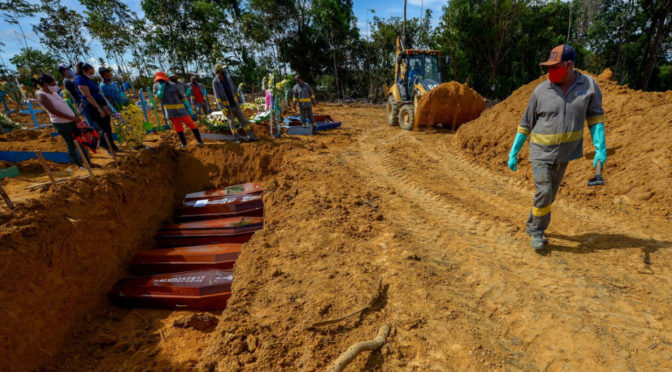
<point>362,9</point>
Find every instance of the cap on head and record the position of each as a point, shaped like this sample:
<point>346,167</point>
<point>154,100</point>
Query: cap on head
<point>219,67</point>
<point>560,53</point>
<point>298,77</point>
<point>64,67</point>
<point>160,75</point>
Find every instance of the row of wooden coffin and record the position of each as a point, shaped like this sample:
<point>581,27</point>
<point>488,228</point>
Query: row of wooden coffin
<point>194,269</point>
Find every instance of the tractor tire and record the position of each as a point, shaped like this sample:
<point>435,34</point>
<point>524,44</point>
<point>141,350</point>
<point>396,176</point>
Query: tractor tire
<point>406,117</point>
<point>392,111</point>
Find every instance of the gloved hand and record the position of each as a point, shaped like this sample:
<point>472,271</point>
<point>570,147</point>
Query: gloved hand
<point>515,149</point>
<point>597,132</point>
<point>159,92</point>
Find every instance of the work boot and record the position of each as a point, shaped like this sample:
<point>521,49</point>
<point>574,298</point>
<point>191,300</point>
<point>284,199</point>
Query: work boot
<point>183,140</point>
<point>251,137</point>
<point>197,134</point>
<point>236,138</point>
<point>314,131</point>
<point>538,242</point>
<point>542,236</point>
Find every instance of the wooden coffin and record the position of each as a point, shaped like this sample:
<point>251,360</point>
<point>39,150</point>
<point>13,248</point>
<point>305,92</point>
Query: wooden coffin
<point>171,260</point>
<point>245,188</point>
<point>227,206</point>
<point>216,231</point>
<point>194,290</point>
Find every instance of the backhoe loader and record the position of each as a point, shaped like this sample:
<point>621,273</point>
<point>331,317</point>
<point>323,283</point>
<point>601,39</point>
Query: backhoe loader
<point>415,74</point>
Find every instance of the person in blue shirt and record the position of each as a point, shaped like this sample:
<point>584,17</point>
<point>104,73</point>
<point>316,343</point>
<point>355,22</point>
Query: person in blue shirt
<point>111,91</point>
<point>94,106</point>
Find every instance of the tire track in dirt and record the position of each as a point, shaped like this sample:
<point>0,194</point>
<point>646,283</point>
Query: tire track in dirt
<point>449,209</point>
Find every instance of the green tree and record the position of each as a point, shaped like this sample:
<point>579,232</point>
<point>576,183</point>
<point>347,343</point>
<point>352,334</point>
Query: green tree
<point>633,38</point>
<point>60,30</point>
<point>32,61</point>
<point>13,10</point>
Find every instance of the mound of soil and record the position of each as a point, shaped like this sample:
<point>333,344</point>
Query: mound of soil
<point>638,129</point>
<point>450,104</point>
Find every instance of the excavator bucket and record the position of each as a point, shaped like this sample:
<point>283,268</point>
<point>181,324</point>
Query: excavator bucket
<point>449,104</point>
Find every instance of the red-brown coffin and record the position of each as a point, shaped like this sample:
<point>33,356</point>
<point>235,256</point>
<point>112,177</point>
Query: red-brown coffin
<point>245,188</point>
<point>196,290</point>
<point>217,231</point>
<point>227,206</point>
<point>172,260</point>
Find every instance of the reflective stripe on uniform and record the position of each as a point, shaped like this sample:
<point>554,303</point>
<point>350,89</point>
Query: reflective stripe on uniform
<point>312,97</point>
<point>524,131</point>
<point>176,106</point>
<point>556,139</point>
<point>221,103</point>
<point>595,120</point>
<point>304,99</point>
<point>540,212</point>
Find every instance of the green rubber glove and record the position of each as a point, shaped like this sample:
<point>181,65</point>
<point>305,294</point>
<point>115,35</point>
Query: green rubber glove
<point>162,86</point>
<point>515,149</point>
<point>597,132</point>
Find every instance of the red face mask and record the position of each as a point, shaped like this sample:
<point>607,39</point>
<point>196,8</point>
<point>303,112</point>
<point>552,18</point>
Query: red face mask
<point>558,74</point>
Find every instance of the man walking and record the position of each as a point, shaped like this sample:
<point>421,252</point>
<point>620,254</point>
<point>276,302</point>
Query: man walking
<point>554,121</point>
<point>226,96</point>
<point>303,94</point>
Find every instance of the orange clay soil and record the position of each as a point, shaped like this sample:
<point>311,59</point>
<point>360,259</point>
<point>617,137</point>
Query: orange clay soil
<point>346,210</point>
<point>638,131</point>
<point>449,104</point>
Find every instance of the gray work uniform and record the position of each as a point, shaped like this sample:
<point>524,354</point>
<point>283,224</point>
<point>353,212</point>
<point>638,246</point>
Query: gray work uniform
<point>226,96</point>
<point>173,100</point>
<point>554,122</point>
<point>304,95</point>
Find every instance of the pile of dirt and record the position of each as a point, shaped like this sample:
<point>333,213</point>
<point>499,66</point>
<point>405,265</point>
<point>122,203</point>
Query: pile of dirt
<point>450,104</point>
<point>638,128</point>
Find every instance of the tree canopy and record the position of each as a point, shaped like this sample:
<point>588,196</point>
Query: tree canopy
<point>494,45</point>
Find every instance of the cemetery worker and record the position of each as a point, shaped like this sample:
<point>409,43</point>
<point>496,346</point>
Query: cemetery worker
<point>303,94</point>
<point>196,90</point>
<point>94,106</point>
<point>173,103</point>
<point>554,121</point>
<point>226,96</point>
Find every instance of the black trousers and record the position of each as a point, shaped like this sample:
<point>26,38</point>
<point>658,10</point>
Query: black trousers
<point>101,124</point>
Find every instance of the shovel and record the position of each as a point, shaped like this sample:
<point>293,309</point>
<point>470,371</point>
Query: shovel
<point>597,180</point>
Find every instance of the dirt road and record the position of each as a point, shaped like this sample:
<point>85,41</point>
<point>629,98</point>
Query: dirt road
<point>462,288</point>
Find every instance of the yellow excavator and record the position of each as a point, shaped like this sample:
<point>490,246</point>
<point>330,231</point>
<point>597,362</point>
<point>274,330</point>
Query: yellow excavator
<point>415,74</point>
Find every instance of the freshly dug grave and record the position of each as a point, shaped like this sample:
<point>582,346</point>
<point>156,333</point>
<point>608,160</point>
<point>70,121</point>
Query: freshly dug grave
<point>449,104</point>
<point>638,131</point>
<point>31,140</point>
<point>61,253</point>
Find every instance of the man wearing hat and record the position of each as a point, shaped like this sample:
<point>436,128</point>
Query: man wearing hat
<point>303,94</point>
<point>554,122</point>
<point>173,103</point>
<point>226,96</point>
<point>69,83</point>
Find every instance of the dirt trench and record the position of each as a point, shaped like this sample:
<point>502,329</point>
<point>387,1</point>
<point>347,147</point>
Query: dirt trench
<point>61,252</point>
